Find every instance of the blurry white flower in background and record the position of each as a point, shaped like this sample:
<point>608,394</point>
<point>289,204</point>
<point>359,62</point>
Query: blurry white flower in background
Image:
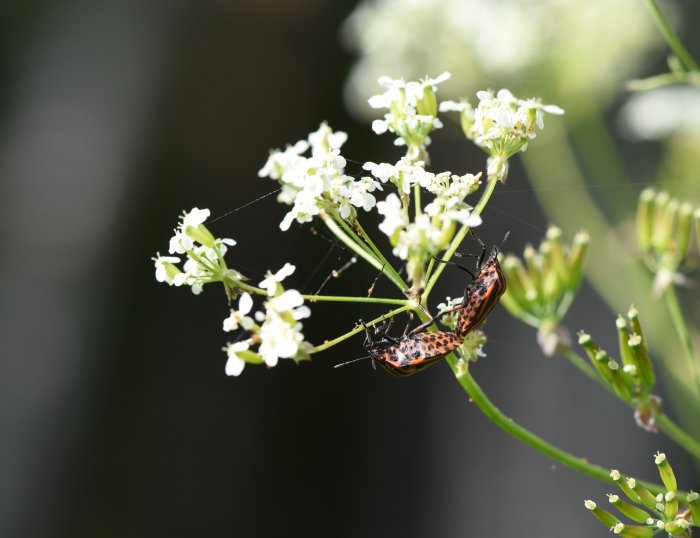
<point>658,113</point>
<point>569,52</point>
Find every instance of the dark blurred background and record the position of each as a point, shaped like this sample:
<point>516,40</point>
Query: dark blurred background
<point>117,417</point>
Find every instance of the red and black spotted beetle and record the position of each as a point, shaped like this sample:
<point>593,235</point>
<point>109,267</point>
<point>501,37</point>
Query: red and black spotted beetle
<point>412,352</point>
<point>482,295</point>
<point>419,349</point>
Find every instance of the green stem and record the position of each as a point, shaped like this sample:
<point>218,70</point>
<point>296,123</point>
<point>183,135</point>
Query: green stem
<point>602,160</point>
<point>361,252</point>
<point>416,199</point>
<point>347,299</point>
<point>683,334</point>
<point>671,38</point>
<point>366,238</point>
<point>461,234</point>
<point>678,435</point>
<point>356,330</point>
<point>477,395</point>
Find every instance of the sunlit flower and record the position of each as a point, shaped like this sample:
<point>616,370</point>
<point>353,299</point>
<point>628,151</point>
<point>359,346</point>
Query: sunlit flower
<point>572,52</point>
<point>501,124</point>
<point>394,214</point>
<point>238,318</point>
<point>658,113</point>
<point>235,364</point>
<point>272,280</point>
<point>412,111</point>
<point>165,268</point>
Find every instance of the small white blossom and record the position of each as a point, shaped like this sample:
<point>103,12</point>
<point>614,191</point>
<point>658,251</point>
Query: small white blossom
<point>657,113</point>
<point>182,241</point>
<point>412,111</point>
<point>195,217</point>
<point>394,215</point>
<point>239,317</point>
<point>165,268</point>
<point>280,333</point>
<point>272,280</point>
<point>235,364</point>
<point>280,161</point>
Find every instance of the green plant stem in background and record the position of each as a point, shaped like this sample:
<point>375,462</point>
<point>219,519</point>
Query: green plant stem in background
<point>671,38</point>
<point>683,334</point>
<point>602,161</point>
<point>679,436</point>
<point>506,423</point>
<point>350,299</point>
<point>583,366</point>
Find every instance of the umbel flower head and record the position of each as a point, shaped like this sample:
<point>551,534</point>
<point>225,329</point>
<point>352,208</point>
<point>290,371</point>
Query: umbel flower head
<point>573,52</point>
<point>649,513</point>
<point>632,378</point>
<point>542,286</point>
<point>501,125</point>
<point>274,333</point>
<point>204,253</point>
<point>270,334</point>
<point>311,184</point>
<point>418,235</point>
<point>664,232</point>
<point>412,112</point>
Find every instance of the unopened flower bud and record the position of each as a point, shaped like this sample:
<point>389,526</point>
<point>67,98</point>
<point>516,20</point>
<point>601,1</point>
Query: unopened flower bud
<point>645,367</point>
<point>683,230</point>
<point>554,255</point>
<point>660,227</point>
<point>646,497</point>
<point>645,215</point>
<point>676,527</point>
<point>604,516</point>
<point>671,505</point>
<point>632,531</point>
<point>665,471</point>
<point>577,258</point>
<point>623,341</point>
<point>631,511</point>
<point>621,481</point>
<point>694,506</point>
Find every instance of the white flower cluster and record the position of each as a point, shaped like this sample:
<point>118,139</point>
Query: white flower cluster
<point>277,332</point>
<point>412,111</point>
<point>318,182</point>
<point>433,227</point>
<point>205,254</point>
<point>573,52</point>
<point>501,124</point>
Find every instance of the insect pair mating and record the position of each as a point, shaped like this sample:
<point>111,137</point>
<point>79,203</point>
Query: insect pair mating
<point>418,349</point>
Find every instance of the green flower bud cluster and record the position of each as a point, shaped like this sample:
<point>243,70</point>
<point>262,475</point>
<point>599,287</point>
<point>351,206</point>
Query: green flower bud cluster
<point>664,233</point>
<point>543,284</point>
<point>632,378</point>
<point>650,513</point>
